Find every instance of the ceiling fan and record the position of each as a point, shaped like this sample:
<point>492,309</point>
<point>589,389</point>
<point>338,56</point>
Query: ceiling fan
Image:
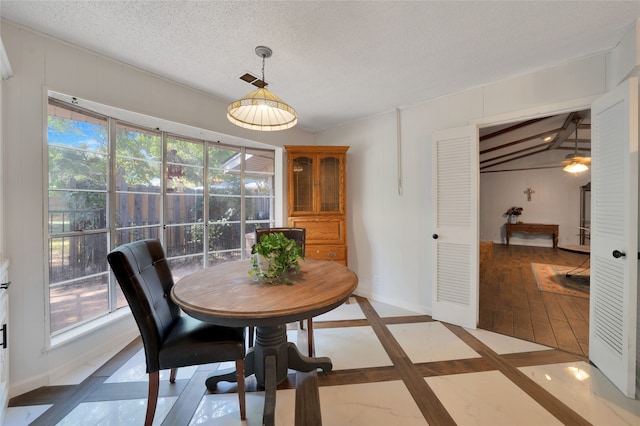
<point>574,163</point>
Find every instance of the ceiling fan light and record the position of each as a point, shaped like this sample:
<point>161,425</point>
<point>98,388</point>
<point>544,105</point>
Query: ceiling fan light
<point>575,167</point>
<point>262,110</point>
<point>577,164</point>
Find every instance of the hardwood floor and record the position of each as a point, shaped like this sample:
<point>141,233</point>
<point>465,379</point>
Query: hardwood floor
<point>511,304</point>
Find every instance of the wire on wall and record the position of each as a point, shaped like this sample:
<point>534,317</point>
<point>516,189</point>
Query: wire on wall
<point>399,150</point>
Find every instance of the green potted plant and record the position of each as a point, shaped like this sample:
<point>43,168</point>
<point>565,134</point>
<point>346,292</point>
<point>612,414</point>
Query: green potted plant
<point>273,257</point>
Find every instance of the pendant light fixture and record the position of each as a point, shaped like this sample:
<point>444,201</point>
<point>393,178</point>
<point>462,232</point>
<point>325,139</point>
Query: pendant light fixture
<point>573,162</point>
<point>261,109</point>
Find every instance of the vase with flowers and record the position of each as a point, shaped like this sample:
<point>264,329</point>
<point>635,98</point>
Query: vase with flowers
<point>513,213</point>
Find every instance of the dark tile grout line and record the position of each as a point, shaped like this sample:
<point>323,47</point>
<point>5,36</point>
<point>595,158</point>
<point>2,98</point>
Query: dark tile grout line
<point>188,400</point>
<point>425,398</point>
<point>60,409</point>
<point>411,374</point>
<point>543,397</point>
<point>81,392</point>
<point>549,402</point>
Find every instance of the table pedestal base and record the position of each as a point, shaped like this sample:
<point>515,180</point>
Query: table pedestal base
<point>271,341</point>
<point>269,360</point>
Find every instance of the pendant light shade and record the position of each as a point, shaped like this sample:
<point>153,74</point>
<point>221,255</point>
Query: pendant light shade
<point>261,109</point>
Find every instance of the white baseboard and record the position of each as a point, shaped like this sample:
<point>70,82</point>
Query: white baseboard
<point>421,309</point>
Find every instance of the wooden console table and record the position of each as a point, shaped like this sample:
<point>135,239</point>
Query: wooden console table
<point>533,228</point>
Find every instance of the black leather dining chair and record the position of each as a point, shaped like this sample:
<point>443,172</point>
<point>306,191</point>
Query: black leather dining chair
<point>170,340</point>
<point>299,235</point>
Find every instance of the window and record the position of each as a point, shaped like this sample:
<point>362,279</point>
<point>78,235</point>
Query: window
<point>112,182</point>
<point>259,201</point>
<point>78,230</point>
<point>184,177</point>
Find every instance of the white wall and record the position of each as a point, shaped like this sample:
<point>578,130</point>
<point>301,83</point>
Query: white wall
<point>2,179</point>
<point>556,200</point>
<point>389,234</point>
<point>40,64</point>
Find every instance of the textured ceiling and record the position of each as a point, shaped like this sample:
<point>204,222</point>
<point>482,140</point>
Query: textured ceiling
<point>334,62</point>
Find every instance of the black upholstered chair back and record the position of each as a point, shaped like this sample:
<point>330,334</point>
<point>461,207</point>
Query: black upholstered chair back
<point>296,234</point>
<point>146,281</point>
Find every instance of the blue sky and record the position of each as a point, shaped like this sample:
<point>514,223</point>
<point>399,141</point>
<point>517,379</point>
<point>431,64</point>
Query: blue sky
<point>87,135</point>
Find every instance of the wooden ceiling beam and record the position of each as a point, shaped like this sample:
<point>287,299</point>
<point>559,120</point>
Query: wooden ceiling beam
<point>520,151</point>
<point>519,169</point>
<point>567,130</point>
<point>516,142</point>
<point>584,149</point>
<point>514,158</point>
<point>511,128</point>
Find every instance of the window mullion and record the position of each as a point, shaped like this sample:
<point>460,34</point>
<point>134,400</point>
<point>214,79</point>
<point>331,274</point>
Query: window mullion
<point>111,207</point>
<point>163,191</point>
<point>205,206</point>
<point>243,202</point>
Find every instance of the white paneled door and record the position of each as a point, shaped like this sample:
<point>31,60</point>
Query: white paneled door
<point>455,232</point>
<point>614,235</point>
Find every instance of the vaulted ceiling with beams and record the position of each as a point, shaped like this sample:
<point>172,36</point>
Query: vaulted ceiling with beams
<point>537,143</point>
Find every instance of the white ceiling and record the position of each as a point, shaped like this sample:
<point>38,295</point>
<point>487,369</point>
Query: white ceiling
<point>334,62</point>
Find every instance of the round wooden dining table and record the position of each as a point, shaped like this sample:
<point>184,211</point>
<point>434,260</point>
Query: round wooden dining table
<point>226,294</point>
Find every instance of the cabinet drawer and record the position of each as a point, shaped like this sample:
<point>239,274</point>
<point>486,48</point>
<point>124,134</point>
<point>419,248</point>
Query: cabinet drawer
<point>326,252</point>
<point>321,230</point>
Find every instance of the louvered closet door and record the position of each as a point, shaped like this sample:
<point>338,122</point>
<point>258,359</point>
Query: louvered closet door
<point>614,235</point>
<point>455,235</point>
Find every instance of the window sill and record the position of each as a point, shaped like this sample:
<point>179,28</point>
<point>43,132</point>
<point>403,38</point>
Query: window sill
<point>87,328</point>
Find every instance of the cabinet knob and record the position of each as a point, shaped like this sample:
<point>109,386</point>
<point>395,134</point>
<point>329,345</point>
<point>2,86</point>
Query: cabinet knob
<point>435,236</point>
<point>331,254</point>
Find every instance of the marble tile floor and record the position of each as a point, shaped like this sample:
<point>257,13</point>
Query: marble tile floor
<point>390,367</point>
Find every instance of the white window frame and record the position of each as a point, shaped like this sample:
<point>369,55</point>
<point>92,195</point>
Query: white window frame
<point>81,328</point>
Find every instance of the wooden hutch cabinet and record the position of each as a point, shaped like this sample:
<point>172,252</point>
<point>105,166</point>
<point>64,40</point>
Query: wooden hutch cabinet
<point>317,181</point>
